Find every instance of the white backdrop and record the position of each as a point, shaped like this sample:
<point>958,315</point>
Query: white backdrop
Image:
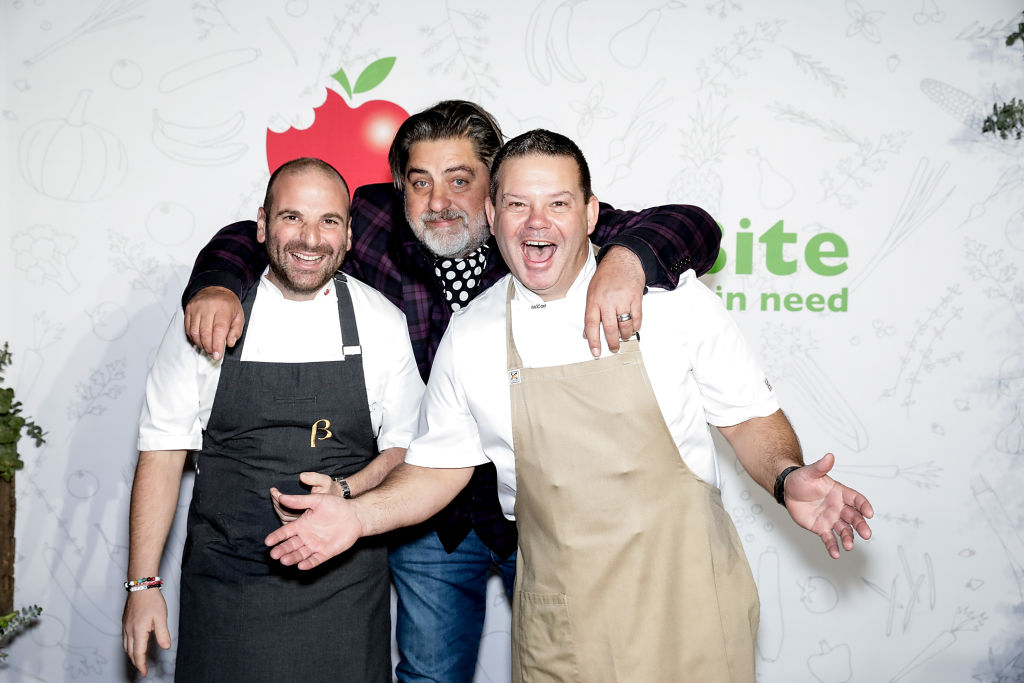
<point>133,129</point>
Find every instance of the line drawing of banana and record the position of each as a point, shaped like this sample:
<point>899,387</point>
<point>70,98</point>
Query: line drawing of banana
<point>547,42</point>
<point>200,145</point>
<point>559,50</point>
<point>212,134</point>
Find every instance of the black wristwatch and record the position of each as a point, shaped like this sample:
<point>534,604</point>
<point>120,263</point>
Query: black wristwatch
<point>780,484</point>
<point>346,492</point>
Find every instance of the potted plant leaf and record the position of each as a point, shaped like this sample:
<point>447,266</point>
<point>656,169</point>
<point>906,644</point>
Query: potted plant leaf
<point>13,426</point>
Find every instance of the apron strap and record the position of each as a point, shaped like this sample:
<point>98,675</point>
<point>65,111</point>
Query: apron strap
<point>346,316</point>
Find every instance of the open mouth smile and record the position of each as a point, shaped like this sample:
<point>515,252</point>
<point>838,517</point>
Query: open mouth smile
<point>538,251</point>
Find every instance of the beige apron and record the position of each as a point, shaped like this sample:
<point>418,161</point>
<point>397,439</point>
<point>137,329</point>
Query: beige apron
<point>629,568</point>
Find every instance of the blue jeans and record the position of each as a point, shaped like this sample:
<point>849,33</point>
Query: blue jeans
<point>441,604</point>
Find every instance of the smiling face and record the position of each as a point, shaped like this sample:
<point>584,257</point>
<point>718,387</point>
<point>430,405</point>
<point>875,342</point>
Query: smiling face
<point>541,221</point>
<point>306,230</point>
<point>445,189</point>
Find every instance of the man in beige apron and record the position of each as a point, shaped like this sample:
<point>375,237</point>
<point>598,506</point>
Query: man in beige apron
<point>629,568</point>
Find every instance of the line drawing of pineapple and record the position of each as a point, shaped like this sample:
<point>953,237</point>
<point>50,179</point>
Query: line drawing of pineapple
<point>703,146</point>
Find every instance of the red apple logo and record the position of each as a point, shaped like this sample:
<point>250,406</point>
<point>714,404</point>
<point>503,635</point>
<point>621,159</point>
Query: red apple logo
<point>355,140</point>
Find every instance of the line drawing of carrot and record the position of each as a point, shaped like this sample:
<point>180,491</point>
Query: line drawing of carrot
<point>964,620</point>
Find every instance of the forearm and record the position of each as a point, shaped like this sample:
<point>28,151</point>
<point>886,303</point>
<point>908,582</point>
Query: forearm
<point>374,473</point>
<point>765,446</point>
<point>409,495</point>
<point>667,239</point>
<point>153,503</point>
<point>233,259</point>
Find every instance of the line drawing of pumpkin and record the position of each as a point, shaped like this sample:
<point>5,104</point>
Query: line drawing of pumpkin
<point>72,159</point>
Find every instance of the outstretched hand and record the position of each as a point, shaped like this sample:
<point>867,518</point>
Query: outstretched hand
<point>819,503</point>
<point>616,288</point>
<point>213,318</point>
<point>327,527</point>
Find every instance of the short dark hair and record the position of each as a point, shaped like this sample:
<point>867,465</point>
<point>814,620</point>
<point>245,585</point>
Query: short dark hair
<point>544,142</point>
<point>447,120</point>
<point>297,166</point>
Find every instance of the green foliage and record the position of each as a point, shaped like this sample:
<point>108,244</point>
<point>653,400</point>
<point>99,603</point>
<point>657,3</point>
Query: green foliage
<point>1006,119</point>
<point>1016,35</point>
<point>12,424</point>
<point>17,620</point>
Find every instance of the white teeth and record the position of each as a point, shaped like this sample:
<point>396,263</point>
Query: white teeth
<point>307,258</point>
<point>537,244</point>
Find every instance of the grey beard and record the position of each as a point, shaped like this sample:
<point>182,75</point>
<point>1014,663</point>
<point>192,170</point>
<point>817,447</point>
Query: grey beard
<point>449,245</point>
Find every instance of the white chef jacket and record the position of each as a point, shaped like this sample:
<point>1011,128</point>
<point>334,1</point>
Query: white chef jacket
<point>182,383</point>
<point>701,369</point>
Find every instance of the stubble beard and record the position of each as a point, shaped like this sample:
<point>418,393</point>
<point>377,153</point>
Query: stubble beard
<point>302,283</point>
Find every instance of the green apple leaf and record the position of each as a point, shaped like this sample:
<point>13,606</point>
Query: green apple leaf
<point>340,76</point>
<point>374,74</point>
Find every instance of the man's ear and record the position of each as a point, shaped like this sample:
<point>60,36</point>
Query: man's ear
<point>348,241</point>
<point>489,211</point>
<point>261,225</point>
<point>593,211</point>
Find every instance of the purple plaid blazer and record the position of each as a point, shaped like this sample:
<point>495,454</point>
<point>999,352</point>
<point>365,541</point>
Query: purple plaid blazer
<point>387,255</point>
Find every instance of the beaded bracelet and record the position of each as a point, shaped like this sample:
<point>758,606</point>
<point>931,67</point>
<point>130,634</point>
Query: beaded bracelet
<point>145,583</point>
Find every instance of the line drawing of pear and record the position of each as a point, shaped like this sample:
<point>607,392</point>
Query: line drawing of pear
<point>773,189</point>
<point>630,44</point>
<point>70,158</point>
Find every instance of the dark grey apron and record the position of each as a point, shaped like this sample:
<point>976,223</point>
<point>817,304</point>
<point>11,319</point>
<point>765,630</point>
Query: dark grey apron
<point>244,616</point>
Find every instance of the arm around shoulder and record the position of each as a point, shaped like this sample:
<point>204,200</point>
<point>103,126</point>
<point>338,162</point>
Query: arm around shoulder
<point>668,239</point>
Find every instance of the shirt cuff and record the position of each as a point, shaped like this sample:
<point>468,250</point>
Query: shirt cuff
<point>211,278</point>
<point>170,442</point>
<point>648,260</point>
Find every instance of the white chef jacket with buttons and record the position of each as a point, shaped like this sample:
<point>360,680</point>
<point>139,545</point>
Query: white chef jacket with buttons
<point>701,369</point>
<point>182,383</point>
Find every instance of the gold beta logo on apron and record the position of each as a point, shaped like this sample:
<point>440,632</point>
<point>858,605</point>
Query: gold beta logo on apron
<point>323,425</point>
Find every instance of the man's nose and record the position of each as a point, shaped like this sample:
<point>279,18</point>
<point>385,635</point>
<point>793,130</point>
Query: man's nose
<point>311,234</point>
<point>538,218</point>
<point>440,198</point>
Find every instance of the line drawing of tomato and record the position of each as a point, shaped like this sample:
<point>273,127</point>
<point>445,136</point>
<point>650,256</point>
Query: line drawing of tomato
<point>355,140</point>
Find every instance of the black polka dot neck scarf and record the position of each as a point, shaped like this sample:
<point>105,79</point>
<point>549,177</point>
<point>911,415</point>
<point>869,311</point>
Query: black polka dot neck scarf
<point>460,277</point>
